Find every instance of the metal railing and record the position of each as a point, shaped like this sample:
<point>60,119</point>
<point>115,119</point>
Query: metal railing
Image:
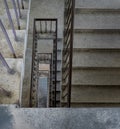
<point>5,64</point>
<point>43,29</point>
<point>67,51</point>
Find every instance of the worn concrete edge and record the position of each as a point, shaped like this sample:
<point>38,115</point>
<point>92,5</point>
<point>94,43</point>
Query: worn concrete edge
<point>24,56</point>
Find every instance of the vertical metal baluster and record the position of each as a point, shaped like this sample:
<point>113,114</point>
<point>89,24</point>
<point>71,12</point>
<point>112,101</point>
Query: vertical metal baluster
<point>46,26</point>
<point>11,71</point>
<point>7,38</point>
<point>22,4</point>
<point>10,19</point>
<point>50,26</point>
<point>18,4</point>
<point>16,14</point>
<point>40,27</point>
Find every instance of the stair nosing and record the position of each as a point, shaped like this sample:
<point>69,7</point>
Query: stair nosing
<point>93,10</point>
<point>85,30</point>
<point>93,85</point>
<point>96,49</point>
<point>95,68</point>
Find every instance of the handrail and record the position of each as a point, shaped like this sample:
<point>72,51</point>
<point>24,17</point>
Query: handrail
<point>8,39</point>
<point>9,70</point>
<point>68,50</point>
<point>16,13</point>
<point>10,19</point>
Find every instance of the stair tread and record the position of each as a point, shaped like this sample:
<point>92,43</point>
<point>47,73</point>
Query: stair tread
<point>84,49</point>
<point>95,30</point>
<point>97,3</point>
<point>17,45</point>
<point>94,10</point>
<point>22,21</point>
<point>96,77</point>
<point>95,104</point>
<point>96,59</point>
<point>96,40</point>
<point>94,94</point>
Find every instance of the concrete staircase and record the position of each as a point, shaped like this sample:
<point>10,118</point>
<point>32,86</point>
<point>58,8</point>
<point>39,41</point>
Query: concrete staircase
<point>12,83</point>
<point>96,54</point>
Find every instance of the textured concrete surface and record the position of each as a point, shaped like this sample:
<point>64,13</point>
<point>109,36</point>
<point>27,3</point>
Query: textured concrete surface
<point>98,3</point>
<point>2,6</point>
<point>97,20</point>
<point>17,45</point>
<point>96,77</point>
<point>45,46</point>
<point>91,118</point>
<point>95,94</point>
<point>99,40</point>
<point>22,21</point>
<point>96,59</point>
<point>9,82</point>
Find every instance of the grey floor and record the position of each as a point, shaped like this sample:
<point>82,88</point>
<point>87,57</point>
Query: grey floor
<point>91,118</point>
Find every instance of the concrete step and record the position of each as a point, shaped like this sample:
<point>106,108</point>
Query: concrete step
<point>96,40</point>
<point>97,31</point>
<point>98,105</point>
<point>98,3</point>
<point>10,82</point>
<point>96,59</point>
<point>22,21</point>
<point>98,20</point>
<point>2,6</point>
<point>9,105</point>
<point>96,10</point>
<point>96,77</point>
<point>91,94</point>
<point>18,46</point>
<point>44,43</point>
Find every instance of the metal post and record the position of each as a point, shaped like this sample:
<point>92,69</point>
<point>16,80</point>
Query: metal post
<point>7,38</point>
<point>18,4</point>
<point>10,19</point>
<point>11,71</point>
<point>16,13</point>
<point>22,4</point>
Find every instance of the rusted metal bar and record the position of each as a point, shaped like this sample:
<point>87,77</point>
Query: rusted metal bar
<point>7,38</point>
<point>16,13</point>
<point>56,60</point>
<point>50,26</point>
<point>68,47</point>
<point>40,27</point>
<point>22,4</point>
<point>9,70</point>
<point>71,54</point>
<point>10,19</point>
<point>18,4</point>
<point>46,26</point>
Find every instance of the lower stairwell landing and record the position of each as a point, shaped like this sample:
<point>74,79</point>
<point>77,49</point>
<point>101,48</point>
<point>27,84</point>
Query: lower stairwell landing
<point>97,118</point>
